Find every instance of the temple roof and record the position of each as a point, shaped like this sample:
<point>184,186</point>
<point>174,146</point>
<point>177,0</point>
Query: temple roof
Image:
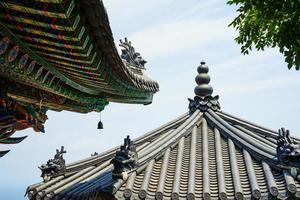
<point>204,153</point>
<point>60,55</point>
<point>67,48</point>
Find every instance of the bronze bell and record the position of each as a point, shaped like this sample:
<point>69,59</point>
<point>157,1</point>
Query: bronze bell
<point>100,125</point>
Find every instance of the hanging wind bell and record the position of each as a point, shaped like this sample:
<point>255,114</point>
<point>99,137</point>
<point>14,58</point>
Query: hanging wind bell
<point>100,124</point>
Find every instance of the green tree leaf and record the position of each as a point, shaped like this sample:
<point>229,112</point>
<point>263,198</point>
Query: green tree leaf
<point>269,23</point>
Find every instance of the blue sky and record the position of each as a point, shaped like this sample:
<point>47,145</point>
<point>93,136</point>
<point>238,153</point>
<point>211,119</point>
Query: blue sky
<point>173,36</point>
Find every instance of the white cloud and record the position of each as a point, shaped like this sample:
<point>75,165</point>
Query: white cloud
<point>256,57</point>
<point>260,85</point>
<point>134,7</point>
<point>168,38</point>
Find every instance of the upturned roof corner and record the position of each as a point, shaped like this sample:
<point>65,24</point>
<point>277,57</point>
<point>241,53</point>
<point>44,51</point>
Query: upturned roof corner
<point>61,56</point>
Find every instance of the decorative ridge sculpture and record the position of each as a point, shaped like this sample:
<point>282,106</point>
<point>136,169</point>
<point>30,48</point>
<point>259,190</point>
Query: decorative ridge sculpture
<point>126,160</point>
<point>131,56</point>
<point>55,166</point>
<point>288,153</point>
<point>203,91</point>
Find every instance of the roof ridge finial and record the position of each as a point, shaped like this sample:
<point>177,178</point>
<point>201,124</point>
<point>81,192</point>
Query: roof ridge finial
<point>203,89</point>
<point>203,99</point>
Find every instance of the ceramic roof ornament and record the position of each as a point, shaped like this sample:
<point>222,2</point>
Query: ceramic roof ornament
<point>203,99</point>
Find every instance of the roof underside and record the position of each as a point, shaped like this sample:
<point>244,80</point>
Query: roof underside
<point>66,47</point>
<point>210,155</point>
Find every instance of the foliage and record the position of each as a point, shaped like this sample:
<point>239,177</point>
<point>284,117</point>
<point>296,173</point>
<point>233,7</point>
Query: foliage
<point>269,23</point>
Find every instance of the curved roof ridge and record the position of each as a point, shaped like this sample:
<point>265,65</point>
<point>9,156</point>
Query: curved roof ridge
<point>241,139</point>
<point>243,121</point>
<point>168,136</point>
<point>264,130</point>
<point>139,140</point>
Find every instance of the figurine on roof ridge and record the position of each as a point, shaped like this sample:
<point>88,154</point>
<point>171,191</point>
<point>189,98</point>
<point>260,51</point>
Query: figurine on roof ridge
<point>55,166</point>
<point>288,152</point>
<point>126,160</point>
<point>130,55</point>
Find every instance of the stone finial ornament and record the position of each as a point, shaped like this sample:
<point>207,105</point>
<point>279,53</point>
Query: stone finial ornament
<point>203,91</point>
<point>202,79</point>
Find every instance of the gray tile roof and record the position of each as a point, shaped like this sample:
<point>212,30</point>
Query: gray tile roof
<point>203,154</point>
<point>210,155</point>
